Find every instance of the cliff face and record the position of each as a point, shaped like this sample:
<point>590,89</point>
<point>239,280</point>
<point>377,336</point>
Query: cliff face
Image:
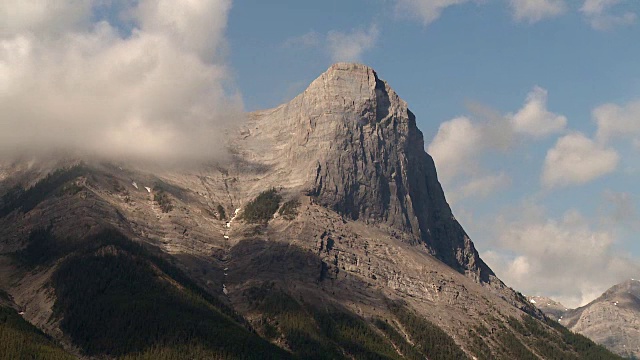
<point>352,144</point>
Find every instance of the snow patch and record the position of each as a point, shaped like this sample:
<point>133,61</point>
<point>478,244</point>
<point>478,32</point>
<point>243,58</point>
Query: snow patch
<point>532,301</point>
<point>135,185</point>
<point>148,189</point>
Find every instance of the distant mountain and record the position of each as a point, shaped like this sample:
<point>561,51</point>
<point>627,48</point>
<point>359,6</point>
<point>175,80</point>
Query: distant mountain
<point>612,320</point>
<point>325,235</point>
<point>553,309</point>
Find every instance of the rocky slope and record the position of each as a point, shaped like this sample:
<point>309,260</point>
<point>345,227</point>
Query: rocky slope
<point>553,309</point>
<point>612,320</point>
<point>365,261</point>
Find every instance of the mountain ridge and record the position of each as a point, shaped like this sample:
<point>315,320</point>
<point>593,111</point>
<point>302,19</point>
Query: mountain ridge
<point>612,319</point>
<point>367,261</point>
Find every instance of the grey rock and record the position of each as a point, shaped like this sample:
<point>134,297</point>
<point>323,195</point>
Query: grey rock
<point>352,144</point>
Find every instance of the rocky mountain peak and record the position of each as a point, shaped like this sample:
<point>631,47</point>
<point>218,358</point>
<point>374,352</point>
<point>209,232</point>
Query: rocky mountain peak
<point>352,144</point>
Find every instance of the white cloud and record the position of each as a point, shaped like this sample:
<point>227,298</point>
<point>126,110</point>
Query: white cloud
<point>43,18</point>
<point>534,119</point>
<point>480,186</point>
<point>599,16</point>
<point>576,159</point>
<point>533,11</point>
<point>460,143</point>
<point>351,46</point>
<point>426,10</point>
<point>340,46</point>
<point>617,121</point>
<point>455,146</point>
<point>568,259</point>
<point>71,84</point>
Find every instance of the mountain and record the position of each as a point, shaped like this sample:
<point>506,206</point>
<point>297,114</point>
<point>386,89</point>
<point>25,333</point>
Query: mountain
<point>553,309</point>
<point>612,320</point>
<point>324,235</point>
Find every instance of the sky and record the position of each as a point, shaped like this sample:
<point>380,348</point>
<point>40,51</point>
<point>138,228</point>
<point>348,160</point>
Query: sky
<point>530,108</point>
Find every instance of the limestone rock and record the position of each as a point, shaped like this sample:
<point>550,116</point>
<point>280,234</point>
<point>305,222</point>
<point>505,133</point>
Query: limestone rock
<point>351,143</point>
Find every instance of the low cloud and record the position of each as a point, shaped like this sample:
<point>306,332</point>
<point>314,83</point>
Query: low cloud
<point>600,16</point>
<point>532,11</point>
<point>152,84</point>
<point>569,259</point>
<point>455,147</point>
<point>340,46</point>
<point>576,159</point>
<point>480,187</point>
<point>350,46</point>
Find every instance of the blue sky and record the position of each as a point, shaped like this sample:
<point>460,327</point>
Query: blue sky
<point>530,108</point>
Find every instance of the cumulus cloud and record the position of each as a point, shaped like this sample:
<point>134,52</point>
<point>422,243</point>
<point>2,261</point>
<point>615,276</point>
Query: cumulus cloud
<point>567,259</point>
<point>426,10</point>
<point>576,159</point>
<point>480,186</point>
<point>532,11</point>
<point>340,46</point>
<point>617,121</point>
<point>534,119</point>
<point>350,46</point>
<point>460,143</point>
<point>454,147</point>
<point>598,14</point>
<point>70,82</point>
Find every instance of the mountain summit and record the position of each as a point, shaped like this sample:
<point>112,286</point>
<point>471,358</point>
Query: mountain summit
<point>353,145</point>
<point>325,235</point>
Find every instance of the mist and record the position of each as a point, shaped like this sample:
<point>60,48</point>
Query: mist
<point>141,80</point>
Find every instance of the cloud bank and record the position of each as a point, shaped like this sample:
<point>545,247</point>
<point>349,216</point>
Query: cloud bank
<point>151,84</point>
<point>568,259</point>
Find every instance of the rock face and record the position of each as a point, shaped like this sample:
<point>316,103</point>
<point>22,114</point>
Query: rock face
<point>612,320</point>
<point>352,144</point>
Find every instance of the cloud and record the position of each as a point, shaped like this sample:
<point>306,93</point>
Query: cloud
<point>340,46</point>
<point>620,208</point>
<point>480,187</point>
<point>351,46</point>
<point>566,259</point>
<point>460,143</point>
<point>70,82</point>
<point>426,10</point>
<point>534,119</point>
<point>43,18</point>
<point>576,159</point>
<point>532,11</point>
<point>455,146</point>
<point>597,13</point>
<point>617,121</point>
